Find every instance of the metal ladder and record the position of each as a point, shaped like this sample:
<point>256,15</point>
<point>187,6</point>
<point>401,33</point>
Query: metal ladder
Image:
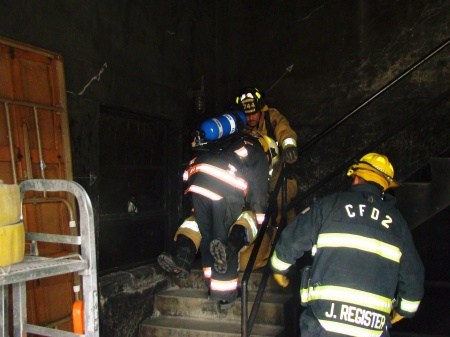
<point>35,267</point>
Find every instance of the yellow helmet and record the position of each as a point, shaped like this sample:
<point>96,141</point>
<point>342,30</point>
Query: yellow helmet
<point>271,148</point>
<point>376,168</point>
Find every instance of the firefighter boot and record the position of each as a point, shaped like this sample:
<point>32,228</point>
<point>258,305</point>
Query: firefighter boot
<point>223,252</point>
<point>179,260</point>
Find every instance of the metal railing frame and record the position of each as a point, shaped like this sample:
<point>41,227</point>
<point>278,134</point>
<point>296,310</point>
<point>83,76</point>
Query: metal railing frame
<point>247,321</point>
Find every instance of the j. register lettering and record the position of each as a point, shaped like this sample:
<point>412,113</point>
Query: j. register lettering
<point>358,316</point>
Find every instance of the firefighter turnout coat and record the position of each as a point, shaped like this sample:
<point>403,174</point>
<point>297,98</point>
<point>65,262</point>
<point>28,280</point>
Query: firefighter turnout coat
<point>240,169</point>
<point>275,125</point>
<point>282,131</point>
<point>227,179</point>
<point>362,250</point>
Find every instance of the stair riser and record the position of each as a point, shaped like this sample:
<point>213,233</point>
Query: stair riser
<point>268,313</point>
<point>196,281</point>
<point>147,331</point>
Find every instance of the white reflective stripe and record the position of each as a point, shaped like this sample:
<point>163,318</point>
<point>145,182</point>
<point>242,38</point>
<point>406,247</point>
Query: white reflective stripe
<point>251,221</point>
<point>185,176</point>
<point>204,192</point>
<point>232,123</point>
<point>219,126</point>
<point>288,141</point>
<point>348,295</point>
<point>190,225</point>
<point>360,242</point>
<point>220,174</point>
<point>313,250</point>
<point>277,263</point>
<point>224,285</point>
<point>242,152</point>
<point>349,330</point>
<point>409,306</point>
<point>207,272</point>
<point>260,218</point>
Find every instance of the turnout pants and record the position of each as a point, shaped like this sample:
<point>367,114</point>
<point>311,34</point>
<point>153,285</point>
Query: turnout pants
<point>214,219</point>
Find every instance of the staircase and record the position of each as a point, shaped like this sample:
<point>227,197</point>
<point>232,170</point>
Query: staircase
<point>419,201</point>
<point>185,310</point>
<point>424,201</point>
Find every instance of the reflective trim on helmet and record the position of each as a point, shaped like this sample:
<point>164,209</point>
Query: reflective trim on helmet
<point>409,306</point>
<point>278,264</point>
<point>288,141</point>
<point>218,285</point>
<point>190,224</point>
<point>359,242</point>
<point>349,330</point>
<point>203,191</point>
<point>207,272</point>
<point>349,295</point>
<point>220,174</point>
<point>271,148</point>
<point>251,100</point>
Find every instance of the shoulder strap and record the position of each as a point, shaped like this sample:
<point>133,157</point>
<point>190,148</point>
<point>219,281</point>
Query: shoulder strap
<point>269,126</point>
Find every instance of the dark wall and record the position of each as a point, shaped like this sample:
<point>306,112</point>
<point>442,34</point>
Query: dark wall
<point>342,53</point>
<point>151,57</point>
<point>135,57</point>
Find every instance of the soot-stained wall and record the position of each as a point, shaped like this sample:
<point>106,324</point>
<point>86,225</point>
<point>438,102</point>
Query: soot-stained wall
<point>136,58</point>
<point>315,60</point>
<point>342,53</point>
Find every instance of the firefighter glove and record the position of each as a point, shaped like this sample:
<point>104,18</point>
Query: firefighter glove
<point>282,280</point>
<point>395,316</point>
<point>289,154</point>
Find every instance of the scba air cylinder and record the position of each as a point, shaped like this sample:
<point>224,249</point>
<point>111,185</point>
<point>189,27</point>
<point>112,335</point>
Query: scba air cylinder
<point>224,125</point>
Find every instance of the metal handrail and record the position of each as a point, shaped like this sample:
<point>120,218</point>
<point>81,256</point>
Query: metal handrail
<point>418,112</point>
<point>247,324</point>
<point>334,125</point>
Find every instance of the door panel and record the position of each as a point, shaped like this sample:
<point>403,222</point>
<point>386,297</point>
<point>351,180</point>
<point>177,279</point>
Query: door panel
<point>34,143</point>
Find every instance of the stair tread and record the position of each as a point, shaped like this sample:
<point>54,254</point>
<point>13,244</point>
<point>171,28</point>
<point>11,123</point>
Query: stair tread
<point>198,324</point>
<point>196,281</point>
<point>203,293</point>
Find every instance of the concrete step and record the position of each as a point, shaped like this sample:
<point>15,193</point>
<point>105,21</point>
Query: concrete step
<point>194,303</point>
<point>164,326</point>
<point>419,201</point>
<point>195,281</point>
<point>440,173</point>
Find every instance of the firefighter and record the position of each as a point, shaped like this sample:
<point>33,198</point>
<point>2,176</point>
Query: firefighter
<point>270,122</point>
<point>362,251</point>
<point>228,188</point>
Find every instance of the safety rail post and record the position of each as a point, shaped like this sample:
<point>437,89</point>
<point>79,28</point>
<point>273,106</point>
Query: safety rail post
<point>248,321</point>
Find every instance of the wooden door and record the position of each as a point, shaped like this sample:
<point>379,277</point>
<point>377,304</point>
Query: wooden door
<point>34,143</point>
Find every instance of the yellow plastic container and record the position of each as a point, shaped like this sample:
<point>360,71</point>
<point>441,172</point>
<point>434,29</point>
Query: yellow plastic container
<point>12,244</point>
<point>9,204</point>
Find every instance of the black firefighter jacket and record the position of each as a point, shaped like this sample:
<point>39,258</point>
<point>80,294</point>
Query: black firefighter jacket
<point>362,250</point>
<point>240,170</point>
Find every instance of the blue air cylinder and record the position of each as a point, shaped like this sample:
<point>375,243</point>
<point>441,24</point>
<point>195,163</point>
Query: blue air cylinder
<point>224,125</point>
